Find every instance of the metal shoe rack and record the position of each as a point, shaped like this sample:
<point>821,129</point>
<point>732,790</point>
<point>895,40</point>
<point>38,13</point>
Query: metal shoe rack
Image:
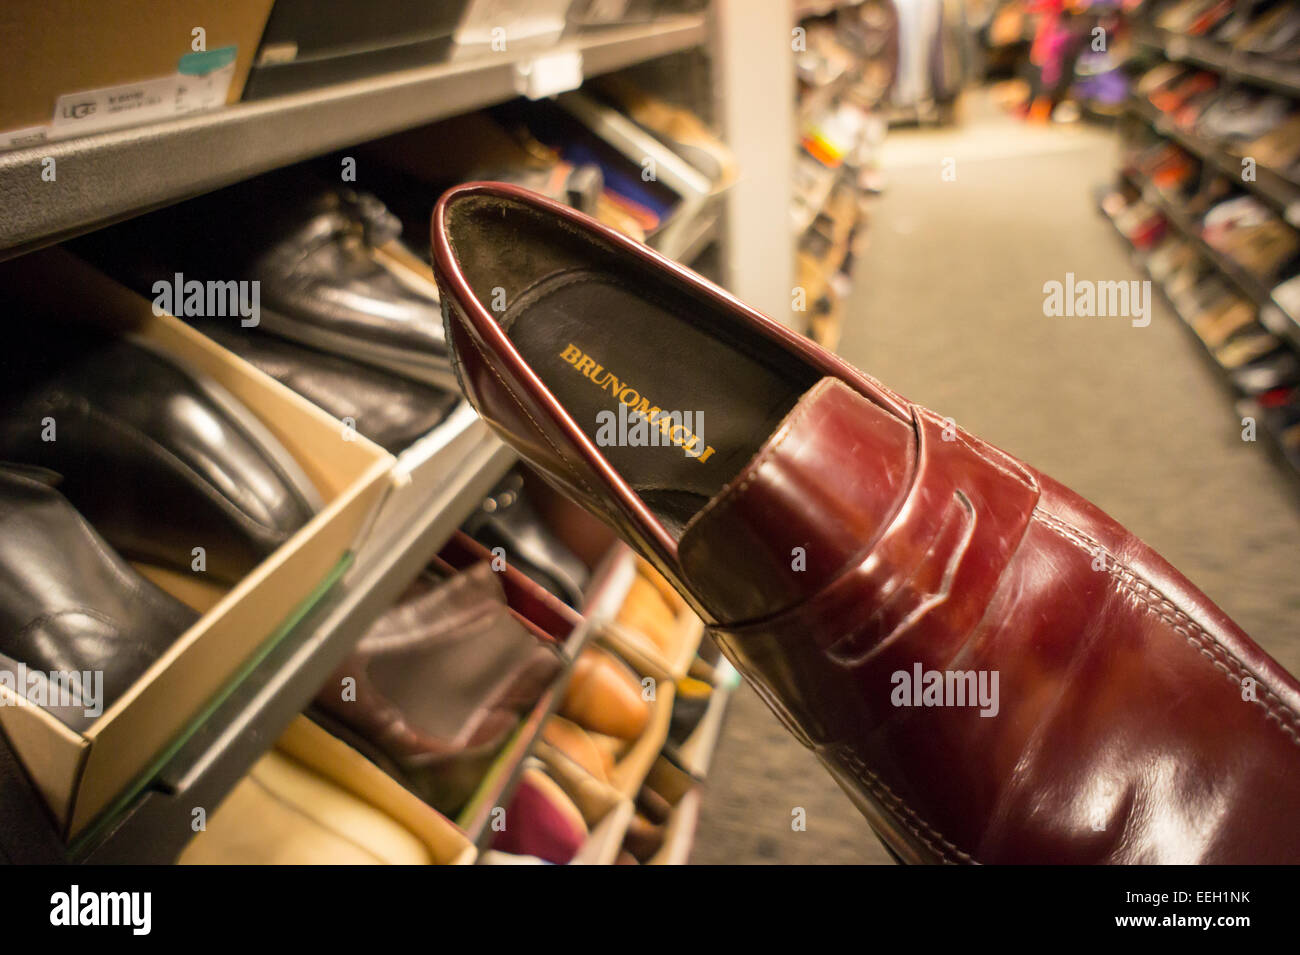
<point>829,206</point>
<point>112,176</point>
<point>1235,67</point>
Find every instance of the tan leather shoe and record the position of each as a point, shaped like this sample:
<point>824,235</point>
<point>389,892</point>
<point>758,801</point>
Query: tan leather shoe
<point>575,743</point>
<point>645,611</point>
<point>283,813</point>
<point>605,697</point>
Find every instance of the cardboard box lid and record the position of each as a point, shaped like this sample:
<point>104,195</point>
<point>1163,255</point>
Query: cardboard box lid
<point>53,47</point>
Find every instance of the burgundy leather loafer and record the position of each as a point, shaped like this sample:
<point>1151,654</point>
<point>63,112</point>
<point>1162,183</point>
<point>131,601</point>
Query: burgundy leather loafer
<point>991,667</point>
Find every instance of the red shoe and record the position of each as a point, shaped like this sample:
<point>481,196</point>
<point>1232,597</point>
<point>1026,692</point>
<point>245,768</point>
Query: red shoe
<point>993,669</point>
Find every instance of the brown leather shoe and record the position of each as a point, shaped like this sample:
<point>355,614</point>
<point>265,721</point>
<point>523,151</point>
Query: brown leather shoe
<point>437,684</point>
<point>993,669</point>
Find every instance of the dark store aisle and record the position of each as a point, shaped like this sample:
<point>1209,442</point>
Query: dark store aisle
<point>948,309</point>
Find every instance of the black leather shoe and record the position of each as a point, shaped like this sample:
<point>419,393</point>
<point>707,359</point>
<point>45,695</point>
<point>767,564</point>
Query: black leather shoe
<point>388,409</point>
<point>328,259</point>
<point>69,604</point>
<point>158,457</point>
<point>507,519</point>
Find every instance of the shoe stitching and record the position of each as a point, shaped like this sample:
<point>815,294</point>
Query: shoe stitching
<point>968,441</point>
<point>1155,602</point>
<point>915,824</point>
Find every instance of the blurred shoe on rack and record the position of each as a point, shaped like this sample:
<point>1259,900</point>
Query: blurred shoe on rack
<point>679,128</point>
<point>331,268</point>
<point>578,746</point>
<point>507,519</point>
<point>541,821</point>
<point>1287,295</point>
<point>645,611</point>
<point>1219,323</point>
<point>411,169</point>
<point>1247,347</point>
<point>438,683</point>
<point>389,409</point>
<point>690,703</point>
<point>1278,370</point>
<point>285,813</point>
<point>643,838</point>
<point>1243,114</point>
<point>604,696</point>
<point>1274,33</point>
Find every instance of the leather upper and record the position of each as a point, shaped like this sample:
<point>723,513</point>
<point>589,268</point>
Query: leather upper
<point>310,245</point>
<point>388,409</point>
<point>1091,704</point>
<point>1124,728</point>
<point>316,268</point>
<point>441,680</point>
<point>68,603</point>
<point>160,459</point>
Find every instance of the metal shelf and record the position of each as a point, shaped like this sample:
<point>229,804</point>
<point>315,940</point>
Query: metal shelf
<point>1231,64</point>
<point>1244,403</point>
<point>1250,286</point>
<point>609,587</point>
<point>1276,190</point>
<point>114,175</point>
<point>156,826</point>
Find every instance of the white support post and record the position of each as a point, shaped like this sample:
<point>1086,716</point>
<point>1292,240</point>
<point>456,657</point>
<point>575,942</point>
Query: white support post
<point>753,68</point>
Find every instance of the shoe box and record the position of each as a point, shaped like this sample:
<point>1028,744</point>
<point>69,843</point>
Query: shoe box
<point>126,62</point>
<point>603,796</point>
<point>83,774</point>
<point>315,799</point>
<point>303,47</point>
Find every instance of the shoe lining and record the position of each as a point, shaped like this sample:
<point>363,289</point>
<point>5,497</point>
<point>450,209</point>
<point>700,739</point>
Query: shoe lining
<point>609,340</point>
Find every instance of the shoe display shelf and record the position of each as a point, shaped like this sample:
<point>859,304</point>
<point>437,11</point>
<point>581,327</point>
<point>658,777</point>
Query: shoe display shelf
<point>688,763</point>
<point>1273,188</point>
<point>153,822</point>
<point>105,178</point>
<point>1233,65</point>
<point>828,196</point>
<point>1244,404</point>
<point>109,176</point>
<point>1271,313</point>
<point>605,593</point>
<point>693,758</point>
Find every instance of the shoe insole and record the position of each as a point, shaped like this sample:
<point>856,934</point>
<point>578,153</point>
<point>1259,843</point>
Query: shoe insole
<point>607,350</point>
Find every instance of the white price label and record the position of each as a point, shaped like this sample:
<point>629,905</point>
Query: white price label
<point>549,75</point>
